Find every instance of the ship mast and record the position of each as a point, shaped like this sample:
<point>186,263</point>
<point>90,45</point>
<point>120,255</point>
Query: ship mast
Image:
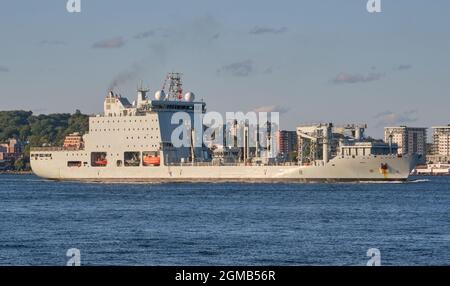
<point>175,86</point>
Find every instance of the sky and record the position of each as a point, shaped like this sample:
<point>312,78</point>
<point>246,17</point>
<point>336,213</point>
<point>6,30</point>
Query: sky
<point>312,61</point>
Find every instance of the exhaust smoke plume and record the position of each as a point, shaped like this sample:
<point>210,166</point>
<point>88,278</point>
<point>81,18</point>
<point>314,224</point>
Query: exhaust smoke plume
<point>126,76</point>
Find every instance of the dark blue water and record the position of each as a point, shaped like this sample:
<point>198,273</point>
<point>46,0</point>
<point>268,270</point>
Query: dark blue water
<point>223,224</point>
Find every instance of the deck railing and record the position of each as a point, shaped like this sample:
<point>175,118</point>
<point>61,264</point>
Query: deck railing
<point>43,149</point>
<point>187,164</point>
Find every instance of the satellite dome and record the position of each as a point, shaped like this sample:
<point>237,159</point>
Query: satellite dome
<point>160,95</point>
<point>189,96</point>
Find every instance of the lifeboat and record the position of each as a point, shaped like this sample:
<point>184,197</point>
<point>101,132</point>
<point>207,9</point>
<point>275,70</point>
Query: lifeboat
<point>149,160</point>
<point>101,162</point>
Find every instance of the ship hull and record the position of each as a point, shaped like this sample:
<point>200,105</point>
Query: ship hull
<point>338,169</point>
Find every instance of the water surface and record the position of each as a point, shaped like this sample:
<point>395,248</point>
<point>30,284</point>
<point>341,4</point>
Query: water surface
<point>224,224</point>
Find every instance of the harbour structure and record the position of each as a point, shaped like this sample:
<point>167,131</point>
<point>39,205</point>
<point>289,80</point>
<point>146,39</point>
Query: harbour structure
<point>315,140</point>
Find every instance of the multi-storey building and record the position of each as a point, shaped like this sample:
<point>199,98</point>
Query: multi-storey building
<point>410,140</point>
<point>440,150</point>
<point>9,152</point>
<point>73,140</point>
<point>286,142</point>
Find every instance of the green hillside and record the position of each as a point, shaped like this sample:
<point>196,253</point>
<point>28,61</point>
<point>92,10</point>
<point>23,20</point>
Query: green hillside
<point>37,130</point>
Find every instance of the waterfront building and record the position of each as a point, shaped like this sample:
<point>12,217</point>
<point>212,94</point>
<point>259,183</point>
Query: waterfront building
<point>74,141</point>
<point>286,142</point>
<point>410,140</point>
<point>440,150</point>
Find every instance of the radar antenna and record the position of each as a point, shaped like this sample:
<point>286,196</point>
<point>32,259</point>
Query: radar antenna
<point>175,86</point>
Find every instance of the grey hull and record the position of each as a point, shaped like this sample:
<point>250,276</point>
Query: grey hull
<point>337,169</point>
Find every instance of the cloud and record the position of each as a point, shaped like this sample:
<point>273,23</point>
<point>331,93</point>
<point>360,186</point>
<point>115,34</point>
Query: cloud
<point>272,108</point>
<point>161,32</point>
<point>112,43</point>
<point>52,43</point>
<point>373,75</point>
<point>266,30</point>
<point>203,30</point>
<point>145,34</point>
<point>215,36</point>
<point>4,69</point>
<point>390,118</point>
<point>356,78</point>
<point>239,69</point>
<point>268,70</point>
<point>403,67</point>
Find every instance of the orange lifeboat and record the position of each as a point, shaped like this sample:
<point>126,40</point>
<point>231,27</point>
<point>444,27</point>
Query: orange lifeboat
<point>149,160</point>
<point>100,162</point>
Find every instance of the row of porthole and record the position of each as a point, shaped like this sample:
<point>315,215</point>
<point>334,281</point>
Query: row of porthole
<point>109,146</point>
<point>151,137</point>
<point>359,157</point>
<point>117,155</point>
<point>118,121</point>
<point>118,129</point>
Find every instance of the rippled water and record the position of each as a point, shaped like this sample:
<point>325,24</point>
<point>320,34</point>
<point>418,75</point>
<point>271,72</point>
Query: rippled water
<point>224,224</point>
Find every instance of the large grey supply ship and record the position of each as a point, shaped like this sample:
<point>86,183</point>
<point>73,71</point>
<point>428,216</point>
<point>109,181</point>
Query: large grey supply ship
<point>132,142</point>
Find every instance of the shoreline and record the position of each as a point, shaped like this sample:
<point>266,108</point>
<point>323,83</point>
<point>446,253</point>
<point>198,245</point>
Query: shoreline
<point>16,172</point>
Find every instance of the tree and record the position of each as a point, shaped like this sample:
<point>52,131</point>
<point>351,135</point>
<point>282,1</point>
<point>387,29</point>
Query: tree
<point>38,130</point>
<point>20,164</point>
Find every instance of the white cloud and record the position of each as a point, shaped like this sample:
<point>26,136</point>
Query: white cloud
<point>343,78</point>
<point>112,43</point>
